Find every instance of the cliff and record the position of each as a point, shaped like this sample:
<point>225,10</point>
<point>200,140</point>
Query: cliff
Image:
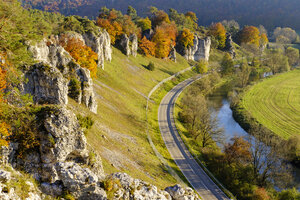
<point>199,50</point>
<point>57,76</point>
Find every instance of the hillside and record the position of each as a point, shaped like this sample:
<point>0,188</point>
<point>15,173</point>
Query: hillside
<point>269,13</point>
<point>119,134</point>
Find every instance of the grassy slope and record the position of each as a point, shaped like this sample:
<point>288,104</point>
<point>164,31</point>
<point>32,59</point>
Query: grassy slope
<point>275,103</point>
<point>119,134</point>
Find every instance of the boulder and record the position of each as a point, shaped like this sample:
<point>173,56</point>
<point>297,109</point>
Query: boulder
<point>5,176</point>
<point>127,187</point>
<point>177,192</point>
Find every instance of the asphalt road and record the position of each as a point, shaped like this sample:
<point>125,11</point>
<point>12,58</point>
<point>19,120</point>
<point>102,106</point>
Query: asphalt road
<point>200,181</point>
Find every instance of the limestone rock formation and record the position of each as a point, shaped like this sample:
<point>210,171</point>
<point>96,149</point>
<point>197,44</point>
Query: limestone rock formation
<point>100,44</point>
<point>172,55</point>
<point>130,188</point>
<point>62,161</point>
<point>48,82</point>
<point>229,45</point>
<point>128,45</point>
<point>200,49</point>
<point>177,192</point>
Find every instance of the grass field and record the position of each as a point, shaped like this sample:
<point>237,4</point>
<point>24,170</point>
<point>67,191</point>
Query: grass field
<point>119,133</point>
<point>275,103</point>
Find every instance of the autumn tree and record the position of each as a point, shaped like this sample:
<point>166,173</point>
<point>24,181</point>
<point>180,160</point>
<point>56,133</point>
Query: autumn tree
<point>147,47</point>
<point>219,33</point>
<point>82,54</point>
<point>158,17</point>
<point>132,13</point>
<point>186,38</point>
<point>144,23</point>
<point>188,20</point>
<point>227,65</point>
<point>4,127</point>
<point>162,43</point>
<point>251,35</point>
<point>293,55</point>
<point>238,151</point>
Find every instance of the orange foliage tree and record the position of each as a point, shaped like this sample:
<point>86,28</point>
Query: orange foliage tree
<point>250,35</point>
<point>186,38</point>
<point>83,54</point>
<point>162,43</point>
<point>114,29</point>
<point>261,194</point>
<point>4,128</point>
<point>219,32</point>
<point>147,47</point>
<point>238,151</point>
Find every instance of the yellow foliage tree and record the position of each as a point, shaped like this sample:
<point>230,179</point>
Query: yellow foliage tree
<point>219,32</point>
<point>263,40</point>
<point>162,43</point>
<point>186,37</point>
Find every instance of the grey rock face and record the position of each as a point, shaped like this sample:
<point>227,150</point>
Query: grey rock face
<point>229,46</point>
<point>172,55</point>
<point>48,82</point>
<point>4,176</point>
<point>179,193</point>
<point>200,49</point>
<point>129,188</point>
<point>128,45</point>
<point>62,160</point>
<point>101,45</point>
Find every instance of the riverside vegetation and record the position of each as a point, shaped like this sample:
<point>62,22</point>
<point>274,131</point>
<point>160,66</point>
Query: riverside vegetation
<point>68,121</point>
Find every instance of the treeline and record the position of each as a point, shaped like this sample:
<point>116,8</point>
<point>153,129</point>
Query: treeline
<point>269,13</point>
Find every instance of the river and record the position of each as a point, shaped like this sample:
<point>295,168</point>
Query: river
<point>220,108</point>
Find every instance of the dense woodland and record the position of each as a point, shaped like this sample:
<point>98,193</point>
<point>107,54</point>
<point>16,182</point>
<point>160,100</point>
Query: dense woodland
<point>269,13</point>
<point>169,29</point>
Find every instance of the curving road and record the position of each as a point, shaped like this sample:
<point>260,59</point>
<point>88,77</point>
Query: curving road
<point>200,181</point>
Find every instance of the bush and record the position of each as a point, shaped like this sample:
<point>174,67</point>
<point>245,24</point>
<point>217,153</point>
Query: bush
<point>201,67</point>
<point>151,66</point>
<point>74,88</point>
<point>85,123</point>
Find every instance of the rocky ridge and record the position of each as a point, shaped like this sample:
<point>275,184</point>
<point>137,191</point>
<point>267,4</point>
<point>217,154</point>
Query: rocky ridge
<point>57,76</point>
<point>199,50</point>
<point>128,45</point>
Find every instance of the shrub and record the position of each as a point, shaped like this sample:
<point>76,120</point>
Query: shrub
<point>201,67</point>
<point>151,66</point>
<point>74,88</point>
<point>85,123</point>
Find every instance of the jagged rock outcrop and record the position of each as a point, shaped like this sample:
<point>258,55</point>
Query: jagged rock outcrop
<point>128,45</point>
<point>46,84</point>
<point>126,187</point>
<point>177,192</point>
<point>172,55</point>
<point>200,49</point>
<point>9,179</point>
<point>229,45</point>
<point>49,81</point>
<point>62,162</point>
<point>101,45</point>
